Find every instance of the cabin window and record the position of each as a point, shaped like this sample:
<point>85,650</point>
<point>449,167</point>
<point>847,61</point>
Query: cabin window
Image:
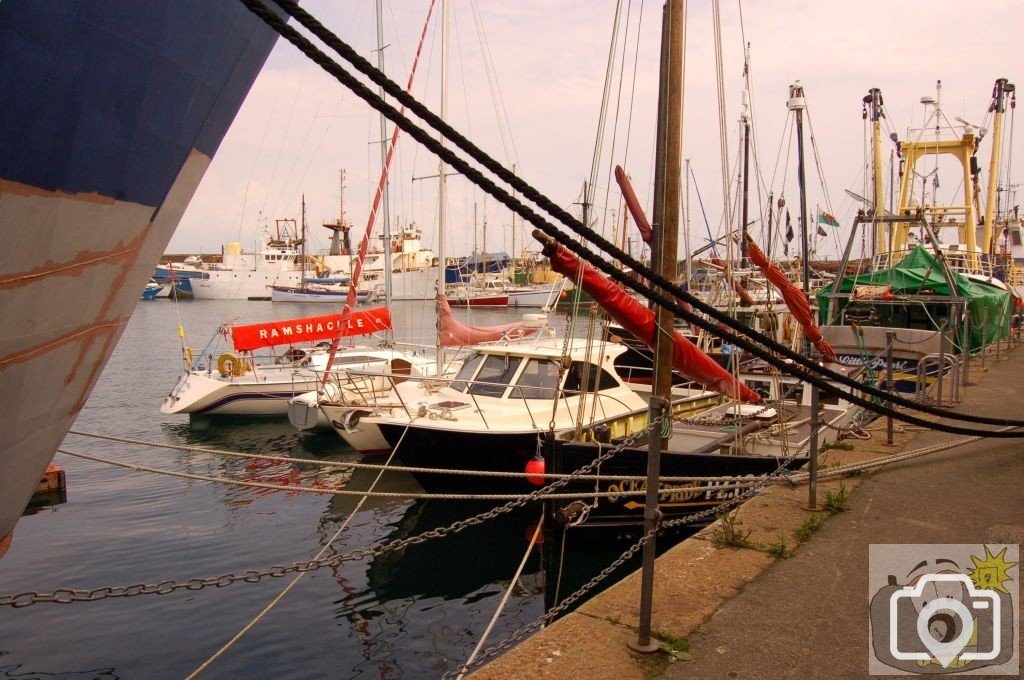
<point>466,372</point>
<point>539,380</point>
<point>587,377</point>
<point>495,375</point>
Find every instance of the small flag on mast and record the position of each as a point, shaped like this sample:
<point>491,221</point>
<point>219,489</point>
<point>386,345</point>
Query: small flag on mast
<point>827,218</point>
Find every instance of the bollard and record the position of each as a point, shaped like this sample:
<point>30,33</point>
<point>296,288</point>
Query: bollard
<point>890,338</point>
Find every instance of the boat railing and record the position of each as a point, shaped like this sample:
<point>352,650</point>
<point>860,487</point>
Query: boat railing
<point>376,390</point>
<point>960,261</point>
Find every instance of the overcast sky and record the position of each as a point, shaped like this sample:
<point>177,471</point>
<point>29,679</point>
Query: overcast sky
<point>299,128</point>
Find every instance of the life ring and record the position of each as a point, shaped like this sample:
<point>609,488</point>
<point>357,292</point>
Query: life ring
<point>229,364</point>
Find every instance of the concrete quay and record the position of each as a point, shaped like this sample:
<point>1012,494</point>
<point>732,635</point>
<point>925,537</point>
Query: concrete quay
<point>745,613</point>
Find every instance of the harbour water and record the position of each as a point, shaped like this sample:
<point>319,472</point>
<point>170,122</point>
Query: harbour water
<point>418,612</point>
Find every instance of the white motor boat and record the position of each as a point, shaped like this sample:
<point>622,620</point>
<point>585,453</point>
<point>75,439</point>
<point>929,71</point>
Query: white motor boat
<point>492,414</point>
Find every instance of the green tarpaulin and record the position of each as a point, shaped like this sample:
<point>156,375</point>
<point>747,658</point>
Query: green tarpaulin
<point>919,274</point>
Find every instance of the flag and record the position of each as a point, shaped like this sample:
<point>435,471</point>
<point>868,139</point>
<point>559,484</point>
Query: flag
<point>827,218</point>
<point>789,228</point>
<point>821,231</point>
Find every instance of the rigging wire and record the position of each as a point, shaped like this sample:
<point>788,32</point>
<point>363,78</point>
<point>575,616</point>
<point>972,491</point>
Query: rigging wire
<point>761,346</point>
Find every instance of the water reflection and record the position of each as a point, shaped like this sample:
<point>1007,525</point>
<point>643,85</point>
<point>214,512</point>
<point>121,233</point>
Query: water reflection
<point>431,600</point>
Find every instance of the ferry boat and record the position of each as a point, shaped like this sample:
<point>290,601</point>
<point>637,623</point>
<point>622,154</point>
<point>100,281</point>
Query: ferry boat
<point>109,121</point>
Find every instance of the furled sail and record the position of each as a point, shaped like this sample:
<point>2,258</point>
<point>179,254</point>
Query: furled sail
<point>687,359</point>
<point>454,333</point>
<point>309,329</point>
<point>795,300</point>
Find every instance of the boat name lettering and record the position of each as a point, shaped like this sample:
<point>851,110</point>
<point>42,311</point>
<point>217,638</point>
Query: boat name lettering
<point>308,329</point>
<point>675,493</point>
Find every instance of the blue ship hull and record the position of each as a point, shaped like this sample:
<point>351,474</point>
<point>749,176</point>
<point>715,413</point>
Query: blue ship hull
<point>112,111</point>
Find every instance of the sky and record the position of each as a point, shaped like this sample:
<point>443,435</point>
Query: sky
<point>526,80</point>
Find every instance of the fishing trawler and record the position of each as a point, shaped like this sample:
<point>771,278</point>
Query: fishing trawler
<point>932,287</point>
<point>93,182</point>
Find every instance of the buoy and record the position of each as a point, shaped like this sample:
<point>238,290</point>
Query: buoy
<point>535,470</point>
<point>887,296</point>
<point>564,294</point>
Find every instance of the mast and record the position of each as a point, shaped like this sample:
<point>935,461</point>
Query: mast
<point>386,227</point>
<point>745,121</point>
<point>880,243</point>
<point>665,259</point>
<point>797,105</point>
<point>302,247</point>
<point>686,228</point>
<point>442,194</point>
<point>998,107</point>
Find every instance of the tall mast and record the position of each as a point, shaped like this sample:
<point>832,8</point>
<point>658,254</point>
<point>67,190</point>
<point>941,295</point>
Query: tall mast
<point>879,242</point>
<point>664,258</point>
<point>745,120</point>
<point>302,246</point>
<point>442,167</point>
<point>386,226</point>
<point>797,104</point>
<point>998,107</point>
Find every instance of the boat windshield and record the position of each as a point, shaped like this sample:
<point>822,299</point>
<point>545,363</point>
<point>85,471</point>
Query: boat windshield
<point>466,373</point>
<point>495,375</point>
<point>584,376</point>
<point>539,380</point>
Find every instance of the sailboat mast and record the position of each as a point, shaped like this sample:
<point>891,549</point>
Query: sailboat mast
<point>442,197</point>
<point>302,246</point>
<point>386,226</point>
<point>745,120</point>
<point>667,188</point>
<point>797,104</point>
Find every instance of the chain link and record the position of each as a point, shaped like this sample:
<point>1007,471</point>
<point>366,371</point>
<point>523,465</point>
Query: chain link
<point>552,613</point>
<point>68,595</point>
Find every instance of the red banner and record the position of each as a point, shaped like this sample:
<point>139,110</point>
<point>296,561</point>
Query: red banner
<point>309,329</point>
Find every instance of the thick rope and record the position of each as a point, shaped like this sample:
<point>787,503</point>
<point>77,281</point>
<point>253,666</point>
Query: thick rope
<point>770,351</point>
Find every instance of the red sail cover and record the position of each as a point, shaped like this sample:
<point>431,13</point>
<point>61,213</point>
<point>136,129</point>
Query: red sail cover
<point>454,333</point>
<point>309,329</point>
<point>638,320</point>
<point>795,300</point>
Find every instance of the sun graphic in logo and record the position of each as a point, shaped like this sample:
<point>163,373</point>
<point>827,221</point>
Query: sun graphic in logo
<point>991,572</point>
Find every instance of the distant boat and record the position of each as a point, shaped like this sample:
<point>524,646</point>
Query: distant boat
<point>245,275</point>
<point>150,291</point>
<point>107,126</point>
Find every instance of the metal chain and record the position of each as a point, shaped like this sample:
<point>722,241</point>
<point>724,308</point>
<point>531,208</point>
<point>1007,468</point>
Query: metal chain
<point>68,595</point>
<point>548,616</point>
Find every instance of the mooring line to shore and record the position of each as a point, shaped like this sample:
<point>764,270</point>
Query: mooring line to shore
<point>377,466</point>
<point>504,599</point>
<point>295,581</point>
